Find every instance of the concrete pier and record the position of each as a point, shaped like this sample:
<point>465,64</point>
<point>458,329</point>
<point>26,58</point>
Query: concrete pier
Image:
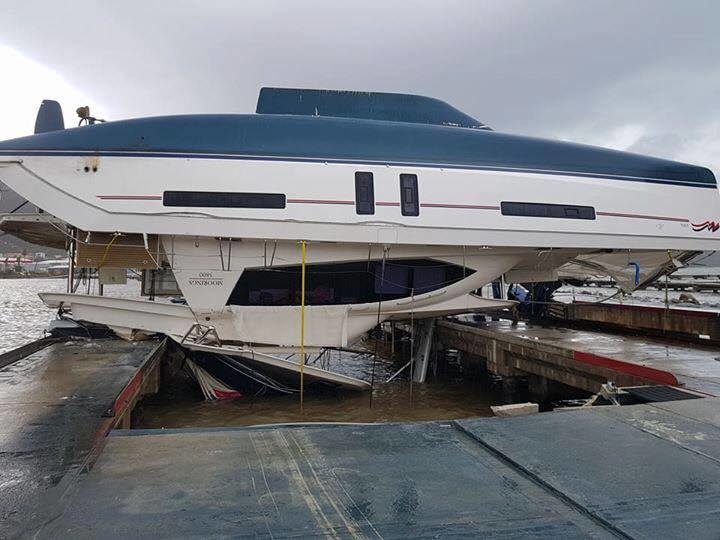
<point>57,403</point>
<point>585,359</point>
<point>685,323</point>
<point>645,471</point>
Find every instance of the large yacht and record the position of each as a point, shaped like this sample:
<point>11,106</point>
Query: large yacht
<point>403,206</point>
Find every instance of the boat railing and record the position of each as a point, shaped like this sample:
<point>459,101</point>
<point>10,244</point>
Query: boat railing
<point>199,333</point>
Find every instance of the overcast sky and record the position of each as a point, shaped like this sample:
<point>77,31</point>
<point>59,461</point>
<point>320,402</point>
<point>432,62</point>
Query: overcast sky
<point>634,75</point>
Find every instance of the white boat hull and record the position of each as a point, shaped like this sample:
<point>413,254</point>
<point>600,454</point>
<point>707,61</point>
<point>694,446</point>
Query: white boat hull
<point>325,326</point>
<point>457,206</point>
<point>461,222</point>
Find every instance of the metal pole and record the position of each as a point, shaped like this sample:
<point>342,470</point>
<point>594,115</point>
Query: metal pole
<point>71,261</point>
<point>382,283</point>
<point>667,305</point>
<point>392,338</point>
<point>399,371</point>
<point>302,324</point>
<point>412,340</point>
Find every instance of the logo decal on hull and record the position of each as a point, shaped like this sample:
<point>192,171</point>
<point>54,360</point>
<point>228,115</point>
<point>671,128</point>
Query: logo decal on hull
<point>711,226</point>
<point>206,279</point>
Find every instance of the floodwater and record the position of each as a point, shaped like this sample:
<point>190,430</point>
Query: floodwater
<point>707,301</point>
<point>180,404</point>
<point>24,318</point>
<point>451,396</point>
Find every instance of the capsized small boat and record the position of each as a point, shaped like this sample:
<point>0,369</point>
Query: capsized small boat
<point>278,373</point>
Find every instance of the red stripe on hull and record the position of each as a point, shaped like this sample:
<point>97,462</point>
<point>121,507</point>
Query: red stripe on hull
<point>642,216</point>
<point>460,206</point>
<point>318,201</point>
<point>130,197</point>
<point>396,204</point>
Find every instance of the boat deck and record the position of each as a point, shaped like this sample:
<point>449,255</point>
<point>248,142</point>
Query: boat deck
<point>646,471</point>
<point>57,404</point>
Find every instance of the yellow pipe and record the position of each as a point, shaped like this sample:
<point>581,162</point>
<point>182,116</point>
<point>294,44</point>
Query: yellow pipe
<point>303,248</point>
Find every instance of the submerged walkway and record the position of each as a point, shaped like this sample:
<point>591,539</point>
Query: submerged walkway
<point>646,471</point>
<point>56,406</point>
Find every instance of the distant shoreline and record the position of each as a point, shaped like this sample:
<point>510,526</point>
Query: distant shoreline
<point>33,277</point>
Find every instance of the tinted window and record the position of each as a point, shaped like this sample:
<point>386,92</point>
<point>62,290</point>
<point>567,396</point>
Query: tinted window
<point>344,283</point>
<point>409,195</point>
<point>223,199</point>
<point>566,211</point>
<point>364,193</point>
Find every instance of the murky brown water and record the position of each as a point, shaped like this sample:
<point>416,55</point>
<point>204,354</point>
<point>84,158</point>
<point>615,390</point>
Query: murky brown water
<point>435,400</point>
<point>24,318</point>
<point>456,394</point>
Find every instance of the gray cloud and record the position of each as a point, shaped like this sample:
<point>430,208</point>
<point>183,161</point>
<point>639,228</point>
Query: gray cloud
<point>639,75</point>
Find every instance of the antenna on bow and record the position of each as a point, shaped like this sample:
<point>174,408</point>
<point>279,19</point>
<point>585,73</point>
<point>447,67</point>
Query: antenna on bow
<point>84,114</point>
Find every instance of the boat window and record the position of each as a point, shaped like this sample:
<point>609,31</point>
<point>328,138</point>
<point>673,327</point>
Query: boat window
<point>566,211</point>
<point>364,193</point>
<point>223,199</point>
<point>409,203</point>
<point>344,283</point>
